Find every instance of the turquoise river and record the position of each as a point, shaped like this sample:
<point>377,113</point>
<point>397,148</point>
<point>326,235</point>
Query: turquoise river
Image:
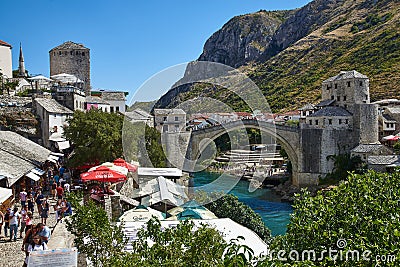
<point>265,202</point>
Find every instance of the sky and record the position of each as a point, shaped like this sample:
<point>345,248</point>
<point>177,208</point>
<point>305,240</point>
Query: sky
<point>130,41</point>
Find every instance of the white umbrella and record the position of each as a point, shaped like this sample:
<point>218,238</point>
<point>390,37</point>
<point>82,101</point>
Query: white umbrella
<point>40,78</point>
<point>66,78</point>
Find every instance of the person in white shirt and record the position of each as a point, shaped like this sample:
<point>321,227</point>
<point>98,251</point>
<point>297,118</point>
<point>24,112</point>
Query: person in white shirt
<point>15,219</point>
<point>37,245</point>
<point>66,187</point>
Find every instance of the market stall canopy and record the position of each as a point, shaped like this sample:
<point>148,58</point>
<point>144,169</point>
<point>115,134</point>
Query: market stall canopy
<point>5,193</point>
<point>391,138</point>
<point>160,190</point>
<point>141,214</point>
<point>40,78</point>
<point>66,78</point>
<point>123,163</point>
<point>103,174</point>
<point>113,167</point>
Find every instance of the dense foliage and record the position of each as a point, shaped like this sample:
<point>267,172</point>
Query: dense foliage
<point>95,237</point>
<point>143,144</point>
<point>343,164</point>
<point>229,206</point>
<point>95,135</point>
<point>361,214</point>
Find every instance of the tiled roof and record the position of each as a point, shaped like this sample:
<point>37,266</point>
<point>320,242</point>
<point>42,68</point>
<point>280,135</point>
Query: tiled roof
<point>388,118</point>
<point>138,114</point>
<point>325,103</point>
<point>13,167</point>
<point>346,75</point>
<point>393,110</point>
<point>112,96</point>
<point>69,45</point>
<point>5,44</point>
<point>384,160</point>
<point>168,111</point>
<point>95,100</point>
<point>307,106</point>
<point>331,112</point>
<point>23,147</point>
<point>368,148</point>
<point>53,106</point>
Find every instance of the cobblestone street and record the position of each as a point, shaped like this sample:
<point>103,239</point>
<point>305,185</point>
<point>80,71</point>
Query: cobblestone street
<point>11,254</point>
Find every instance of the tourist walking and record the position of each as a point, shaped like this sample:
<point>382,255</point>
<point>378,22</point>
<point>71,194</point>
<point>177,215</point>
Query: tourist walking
<point>53,190</point>
<point>1,221</point>
<point>7,222</point>
<point>31,203</point>
<point>44,214</point>
<point>24,216</point>
<point>15,219</point>
<point>22,197</point>
<point>29,221</point>
<point>28,239</point>
<point>58,210</point>
<point>37,245</point>
<point>60,191</point>
<point>44,232</point>
<point>39,201</point>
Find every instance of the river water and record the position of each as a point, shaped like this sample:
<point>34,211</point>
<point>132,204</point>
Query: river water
<point>265,202</point>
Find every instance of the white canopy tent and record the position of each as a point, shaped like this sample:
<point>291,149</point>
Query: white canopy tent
<point>66,78</point>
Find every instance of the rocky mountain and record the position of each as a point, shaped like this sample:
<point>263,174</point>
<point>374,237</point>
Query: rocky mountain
<point>292,52</point>
<point>243,38</point>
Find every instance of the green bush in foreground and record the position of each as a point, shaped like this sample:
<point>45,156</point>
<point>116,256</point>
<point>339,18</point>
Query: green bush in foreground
<point>359,217</point>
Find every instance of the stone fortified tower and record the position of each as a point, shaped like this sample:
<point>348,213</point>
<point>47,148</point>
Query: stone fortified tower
<point>71,58</point>
<point>350,90</point>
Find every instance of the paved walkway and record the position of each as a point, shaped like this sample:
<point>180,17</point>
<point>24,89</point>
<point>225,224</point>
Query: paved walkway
<point>11,254</point>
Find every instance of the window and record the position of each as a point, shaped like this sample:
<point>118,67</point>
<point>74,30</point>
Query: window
<point>361,83</point>
<point>366,97</point>
<point>330,121</point>
<point>316,122</point>
<point>345,106</point>
<point>332,97</point>
<point>111,109</point>
<point>54,53</point>
<point>327,87</point>
<point>164,118</point>
<point>348,84</point>
<point>176,118</point>
<point>344,98</point>
<point>59,52</point>
<point>335,85</point>
<point>165,128</point>
<point>71,53</point>
<point>83,54</point>
<point>347,121</point>
<point>340,121</point>
<point>117,109</point>
<point>310,122</point>
<point>338,98</point>
<point>76,53</point>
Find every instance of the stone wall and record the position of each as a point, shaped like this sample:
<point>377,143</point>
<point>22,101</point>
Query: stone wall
<point>72,61</point>
<point>366,123</point>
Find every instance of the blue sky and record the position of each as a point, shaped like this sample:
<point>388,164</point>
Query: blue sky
<point>129,41</point>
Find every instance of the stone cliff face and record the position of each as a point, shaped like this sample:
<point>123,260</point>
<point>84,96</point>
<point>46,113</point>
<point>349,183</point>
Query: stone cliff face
<point>242,39</point>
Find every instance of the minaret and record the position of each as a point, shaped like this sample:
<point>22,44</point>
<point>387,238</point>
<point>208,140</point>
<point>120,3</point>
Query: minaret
<point>21,66</point>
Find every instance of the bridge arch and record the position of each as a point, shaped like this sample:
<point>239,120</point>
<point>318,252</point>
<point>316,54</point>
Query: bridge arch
<point>287,137</point>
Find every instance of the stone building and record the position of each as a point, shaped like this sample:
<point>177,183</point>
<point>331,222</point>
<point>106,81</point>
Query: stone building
<point>344,121</point>
<point>53,117</point>
<point>169,120</point>
<point>5,59</point>
<point>71,58</point>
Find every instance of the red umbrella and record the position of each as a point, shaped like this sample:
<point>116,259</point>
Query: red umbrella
<point>103,174</point>
<point>123,163</point>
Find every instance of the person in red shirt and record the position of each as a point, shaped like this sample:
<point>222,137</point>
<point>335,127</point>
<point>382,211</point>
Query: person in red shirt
<point>60,191</point>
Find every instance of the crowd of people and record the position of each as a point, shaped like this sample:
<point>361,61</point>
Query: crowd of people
<point>18,222</point>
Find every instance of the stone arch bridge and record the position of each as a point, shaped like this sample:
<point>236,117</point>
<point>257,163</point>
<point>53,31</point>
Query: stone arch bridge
<point>307,148</point>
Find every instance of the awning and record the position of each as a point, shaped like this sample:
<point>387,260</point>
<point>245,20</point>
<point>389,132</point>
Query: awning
<point>57,154</point>
<point>63,145</point>
<point>38,171</point>
<point>5,193</point>
<point>52,158</point>
<point>32,176</point>
<point>56,137</point>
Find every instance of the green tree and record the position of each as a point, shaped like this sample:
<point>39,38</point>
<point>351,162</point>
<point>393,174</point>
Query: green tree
<point>95,135</point>
<point>229,206</point>
<point>396,147</point>
<point>344,164</point>
<point>361,213</point>
<point>95,237</point>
